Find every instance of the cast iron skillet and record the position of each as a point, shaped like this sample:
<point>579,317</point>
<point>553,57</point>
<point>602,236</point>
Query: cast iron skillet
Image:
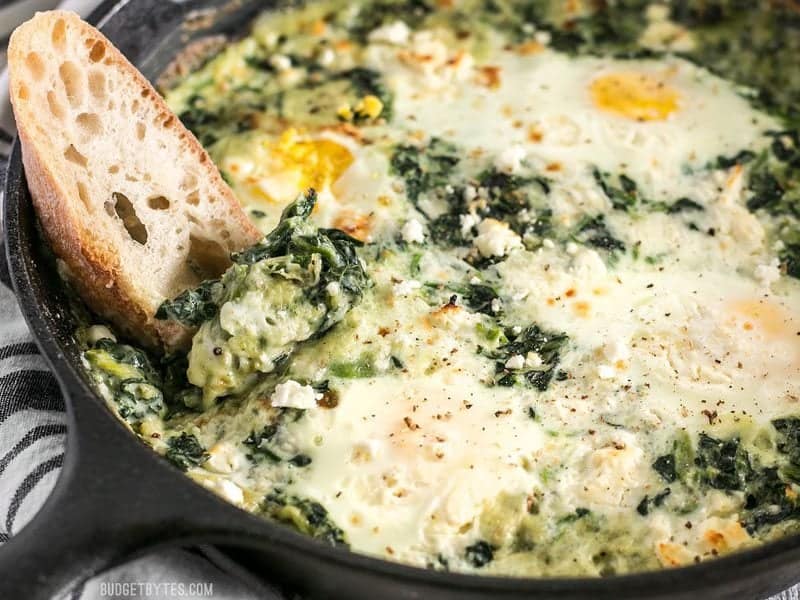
<point>115,498</point>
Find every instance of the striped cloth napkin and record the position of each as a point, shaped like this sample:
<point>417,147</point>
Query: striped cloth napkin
<point>33,432</point>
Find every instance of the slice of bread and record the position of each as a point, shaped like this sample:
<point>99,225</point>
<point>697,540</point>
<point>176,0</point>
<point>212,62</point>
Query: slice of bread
<point>127,197</point>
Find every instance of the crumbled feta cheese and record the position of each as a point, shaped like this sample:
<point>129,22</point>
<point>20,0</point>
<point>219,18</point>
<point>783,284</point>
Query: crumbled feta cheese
<point>396,33</point>
<point>767,274</point>
<point>468,221</point>
<point>616,350</point>
<point>588,264</point>
<point>333,288</point>
<point>542,37</point>
<point>533,360</point>
<point>470,193</point>
<point>366,450</point>
<point>516,329</point>
<point>496,238</point>
<point>664,34</point>
<point>611,471</point>
<point>515,362</point>
<point>326,57</point>
<point>413,231</point>
<point>429,57</point>
<point>223,457</point>
<point>572,248</point>
<point>657,12</point>
<point>475,280</point>
<point>293,395</point>
<point>606,372</point>
<point>497,305</point>
<point>406,288</point>
<point>548,243</point>
<point>95,333</point>
<point>510,160</point>
<point>230,491</point>
<point>281,62</point>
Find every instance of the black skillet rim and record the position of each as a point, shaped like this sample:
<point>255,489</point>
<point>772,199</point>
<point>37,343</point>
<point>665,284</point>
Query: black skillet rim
<point>738,567</point>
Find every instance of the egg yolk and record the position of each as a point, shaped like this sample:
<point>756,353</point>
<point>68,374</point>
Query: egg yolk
<point>637,96</point>
<point>318,162</point>
<point>291,164</point>
<point>763,316</point>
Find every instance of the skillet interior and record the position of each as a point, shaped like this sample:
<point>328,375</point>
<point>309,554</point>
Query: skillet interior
<point>281,553</point>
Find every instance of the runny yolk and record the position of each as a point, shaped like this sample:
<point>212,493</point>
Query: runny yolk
<point>637,96</point>
<point>295,162</point>
<point>766,317</point>
<point>320,162</point>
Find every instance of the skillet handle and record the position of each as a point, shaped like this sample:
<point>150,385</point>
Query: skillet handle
<point>112,501</point>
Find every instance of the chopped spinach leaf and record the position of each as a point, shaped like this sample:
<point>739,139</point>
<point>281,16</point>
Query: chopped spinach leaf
<point>788,444</point>
<point>727,465</point>
<point>479,554</point>
<point>375,13</point>
<point>426,168</point>
<point>293,242</point>
<point>307,516</point>
<point>211,124</point>
<point>624,195</point>
<point>184,451</point>
<point>610,28</point>
<point>593,231</point>
<point>133,382</point>
<point>300,460</point>
<point>363,366</point>
<point>314,273</point>
<point>531,339</point>
<point>193,307</point>
<point>682,205</point>
<point>665,466</point>
<point>369,82</point>
<point>643,508</point>
<point>741,158</point>
<point>578,513</point>
<point>767,501</point>
<point>767,192</point>
<point>478,297</point>
<point>178,392</point>
<point>445,230</point>
<point>259,444</point>
<point>508,194</point>
<point>722,464</point>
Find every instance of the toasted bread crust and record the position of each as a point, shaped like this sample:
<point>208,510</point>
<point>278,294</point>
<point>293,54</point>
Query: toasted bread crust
<point>122,279</point>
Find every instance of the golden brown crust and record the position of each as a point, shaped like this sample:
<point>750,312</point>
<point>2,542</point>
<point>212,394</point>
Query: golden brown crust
<point>88,246</point>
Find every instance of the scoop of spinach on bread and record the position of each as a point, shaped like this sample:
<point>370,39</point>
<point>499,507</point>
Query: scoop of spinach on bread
<point>294,285</point>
